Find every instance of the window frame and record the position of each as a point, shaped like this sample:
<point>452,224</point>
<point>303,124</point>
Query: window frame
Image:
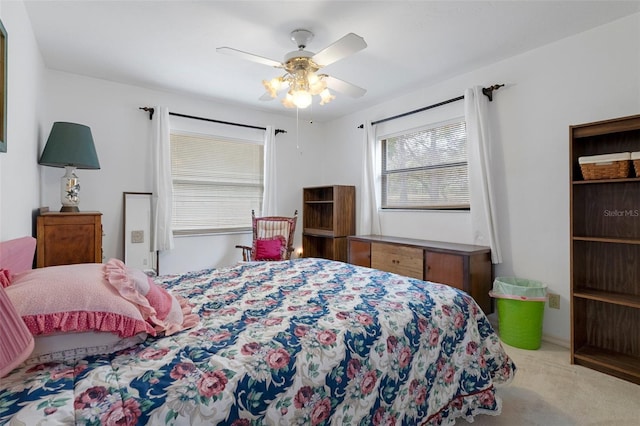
<point>215,231</point>
<point>384,173</point>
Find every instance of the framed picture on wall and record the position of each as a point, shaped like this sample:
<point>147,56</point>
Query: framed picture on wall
<point>3,88</point>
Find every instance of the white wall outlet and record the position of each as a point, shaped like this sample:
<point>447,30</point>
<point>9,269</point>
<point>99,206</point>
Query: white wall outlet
<point>554,301</point>
<point>137,237</point>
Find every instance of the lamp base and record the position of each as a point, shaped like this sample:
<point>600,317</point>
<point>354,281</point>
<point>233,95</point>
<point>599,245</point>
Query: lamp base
<point>69,190</point>
<point>69,209</point>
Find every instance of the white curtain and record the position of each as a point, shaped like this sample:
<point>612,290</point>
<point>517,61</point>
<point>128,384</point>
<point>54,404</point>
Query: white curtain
<point>481,188</point>
<point>162,185</point>
<point>369,201</point>
<point>269,196</point>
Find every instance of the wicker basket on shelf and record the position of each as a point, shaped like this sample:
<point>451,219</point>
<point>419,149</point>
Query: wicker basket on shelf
<point>635,157</point>
<point>607,166</point>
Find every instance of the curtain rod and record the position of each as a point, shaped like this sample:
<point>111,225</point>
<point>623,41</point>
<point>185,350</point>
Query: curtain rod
<point>487,91</point>
<point>151,110</point>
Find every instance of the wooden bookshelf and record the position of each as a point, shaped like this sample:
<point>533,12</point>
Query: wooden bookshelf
<point>328,217</point>
<point>605,253</point>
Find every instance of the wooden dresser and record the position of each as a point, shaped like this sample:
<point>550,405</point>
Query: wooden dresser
<point>67,238</point>
<point>463,266</point>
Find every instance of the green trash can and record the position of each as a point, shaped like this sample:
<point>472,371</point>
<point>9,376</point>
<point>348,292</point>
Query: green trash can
<point>520,303</point>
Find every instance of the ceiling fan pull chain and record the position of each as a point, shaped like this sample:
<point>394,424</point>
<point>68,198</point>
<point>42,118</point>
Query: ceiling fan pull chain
<point>298,130</point>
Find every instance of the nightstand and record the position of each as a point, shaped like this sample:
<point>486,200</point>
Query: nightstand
<point>67,238</point>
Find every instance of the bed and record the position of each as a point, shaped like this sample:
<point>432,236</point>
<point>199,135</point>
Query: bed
<point>300,342</point>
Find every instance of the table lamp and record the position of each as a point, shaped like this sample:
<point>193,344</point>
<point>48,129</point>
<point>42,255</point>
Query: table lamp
<point>70,145</point>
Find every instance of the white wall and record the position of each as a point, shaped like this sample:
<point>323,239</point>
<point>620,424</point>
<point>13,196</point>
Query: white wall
<point>122,137</point>
<point>588,77</point>
<point>18,166</point>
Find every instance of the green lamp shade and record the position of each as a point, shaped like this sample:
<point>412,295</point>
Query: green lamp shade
<point>70,144</point>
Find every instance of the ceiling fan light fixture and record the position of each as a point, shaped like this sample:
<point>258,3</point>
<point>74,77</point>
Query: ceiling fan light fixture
<point>273,86</point>
<point>313,78</point>
<point>287,101</point>
<point>316,83</point>
<point>326,97</point>
<point>301,98</point>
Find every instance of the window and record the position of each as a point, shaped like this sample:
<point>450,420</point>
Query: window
<point>426,168</point>
<point>216,182</point>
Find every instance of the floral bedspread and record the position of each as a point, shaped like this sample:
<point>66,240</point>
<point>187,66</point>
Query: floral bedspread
<point>301,342</point>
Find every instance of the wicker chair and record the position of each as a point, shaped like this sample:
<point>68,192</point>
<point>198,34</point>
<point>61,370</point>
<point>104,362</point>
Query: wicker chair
<point>272,238</point>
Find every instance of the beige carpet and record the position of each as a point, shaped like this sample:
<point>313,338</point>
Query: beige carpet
<point>548,391</point>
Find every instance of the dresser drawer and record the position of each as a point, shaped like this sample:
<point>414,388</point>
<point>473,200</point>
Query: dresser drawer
<point>403,260</point>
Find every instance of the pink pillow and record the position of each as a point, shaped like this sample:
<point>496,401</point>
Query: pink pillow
<point>5,278</point>
<point>17,255</point>
<point>158,307</point>
<point>73,298</point>
<point>269,248</point>
<point>17,342</point>
<point>160,299</point>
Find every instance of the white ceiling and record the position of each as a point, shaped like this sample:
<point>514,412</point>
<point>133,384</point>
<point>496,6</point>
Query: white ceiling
<point>170,45</point>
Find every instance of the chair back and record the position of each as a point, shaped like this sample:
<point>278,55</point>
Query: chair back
<point>274,227</point>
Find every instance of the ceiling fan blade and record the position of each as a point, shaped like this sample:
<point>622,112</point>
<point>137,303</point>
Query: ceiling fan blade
<point>344,87</point>
<point>249,56</point>
<point>347,45</point>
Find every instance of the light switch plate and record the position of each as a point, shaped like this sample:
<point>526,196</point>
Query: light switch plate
<point>137,237</point>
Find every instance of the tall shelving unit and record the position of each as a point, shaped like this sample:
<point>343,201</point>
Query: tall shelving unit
<point>605,253</point>
<point>328,217</point>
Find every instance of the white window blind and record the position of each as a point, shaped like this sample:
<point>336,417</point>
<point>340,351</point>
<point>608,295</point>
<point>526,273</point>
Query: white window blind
<point>426,168</point>
<point>216,182</point>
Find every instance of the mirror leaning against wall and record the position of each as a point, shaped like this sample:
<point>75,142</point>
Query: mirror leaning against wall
<point>137,233</point>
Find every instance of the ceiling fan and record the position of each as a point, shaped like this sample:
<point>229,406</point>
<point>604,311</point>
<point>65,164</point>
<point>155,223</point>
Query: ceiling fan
<point>301,67</point>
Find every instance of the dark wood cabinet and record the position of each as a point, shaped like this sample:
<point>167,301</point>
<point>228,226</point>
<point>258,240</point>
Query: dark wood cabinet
<point>328,217</point>
<point>359,252</point>
<point>447,268</point>
<point>605,253</point>
<point>463,266</point>
<point>68,238</point>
